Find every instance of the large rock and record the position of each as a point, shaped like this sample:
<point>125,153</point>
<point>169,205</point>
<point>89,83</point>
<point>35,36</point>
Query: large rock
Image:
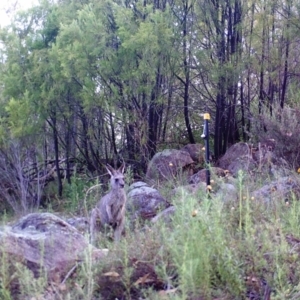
<point>45,242</point>
<point>144,202</point>
<point>195,151</point>
<point>201,175</point>
<point>244,163</point>
<point>224,188</point>
<point>193,189</point>
<point>82,224</point>
<point>166,165</point>
<point>237,157</point>
<point>260,161</point>
<point>268,162</point>
<point>227,192</point>
<point>165,215</point>
<point>282,189</point>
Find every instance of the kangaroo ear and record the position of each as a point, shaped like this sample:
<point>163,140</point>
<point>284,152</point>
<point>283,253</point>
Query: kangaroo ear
<point>122,168</point>
<point>110,169</point>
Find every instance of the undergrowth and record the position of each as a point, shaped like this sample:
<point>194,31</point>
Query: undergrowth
<point>212,249</point>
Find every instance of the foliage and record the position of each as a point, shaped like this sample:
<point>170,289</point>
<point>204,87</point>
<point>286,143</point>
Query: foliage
<point>281,125</point>
<point>74,194</point>
<point>84,83</point>
<point>106,81</point>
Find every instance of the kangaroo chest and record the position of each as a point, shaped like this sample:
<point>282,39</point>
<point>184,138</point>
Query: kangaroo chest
<point>118,205</point>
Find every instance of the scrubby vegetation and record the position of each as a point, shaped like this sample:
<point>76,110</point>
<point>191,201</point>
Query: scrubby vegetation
<point>211,250</point>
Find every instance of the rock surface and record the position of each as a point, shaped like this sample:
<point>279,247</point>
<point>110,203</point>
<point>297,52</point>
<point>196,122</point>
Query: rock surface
<point>260,160</point>
<point>279,190</point>
<point>237,157</point>
<point>190,189</point>
<point>227,192</point>
<point>144,201</point>
<point>80,223</point>
<point>201,175</point>
<point>166,165</point>
<point>43,241</point>
<point>195,151</point>
<point>165,215</point>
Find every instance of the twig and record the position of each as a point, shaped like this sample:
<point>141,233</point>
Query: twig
<point>69,273</point>
<point>85,197</point>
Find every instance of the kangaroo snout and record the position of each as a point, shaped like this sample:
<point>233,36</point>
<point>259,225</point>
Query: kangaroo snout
<point>119,182</point>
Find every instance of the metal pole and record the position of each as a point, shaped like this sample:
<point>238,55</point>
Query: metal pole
<point>205,136</point>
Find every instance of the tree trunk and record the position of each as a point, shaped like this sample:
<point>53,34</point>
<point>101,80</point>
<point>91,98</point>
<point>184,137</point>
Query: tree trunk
<point>56,150</point>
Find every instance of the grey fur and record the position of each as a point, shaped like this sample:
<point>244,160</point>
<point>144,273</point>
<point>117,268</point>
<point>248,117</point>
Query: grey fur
<point>111,207</point>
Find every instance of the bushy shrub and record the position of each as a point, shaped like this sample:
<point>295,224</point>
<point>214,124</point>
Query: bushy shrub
<point>283,126</point>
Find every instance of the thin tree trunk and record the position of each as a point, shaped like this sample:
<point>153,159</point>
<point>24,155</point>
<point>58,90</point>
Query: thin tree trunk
<point>287,49</point>
<point>56,152</point>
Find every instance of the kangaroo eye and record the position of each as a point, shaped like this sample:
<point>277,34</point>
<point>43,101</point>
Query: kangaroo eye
<point>117,180</point>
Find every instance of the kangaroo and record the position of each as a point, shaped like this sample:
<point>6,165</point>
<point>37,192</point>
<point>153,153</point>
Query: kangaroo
<point>111,207</point>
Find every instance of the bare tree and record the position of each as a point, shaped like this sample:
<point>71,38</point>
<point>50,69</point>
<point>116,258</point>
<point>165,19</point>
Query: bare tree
<point>21,177</point>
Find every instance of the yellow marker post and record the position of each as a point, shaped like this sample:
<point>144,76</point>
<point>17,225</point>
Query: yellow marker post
<point>206,116</point>
<point>205,136</point>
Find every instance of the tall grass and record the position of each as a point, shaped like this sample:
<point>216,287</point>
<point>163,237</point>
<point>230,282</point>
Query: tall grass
<point>218,246</point>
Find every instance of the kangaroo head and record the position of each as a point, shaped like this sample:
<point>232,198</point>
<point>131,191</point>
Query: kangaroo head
<point>116,176</point>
